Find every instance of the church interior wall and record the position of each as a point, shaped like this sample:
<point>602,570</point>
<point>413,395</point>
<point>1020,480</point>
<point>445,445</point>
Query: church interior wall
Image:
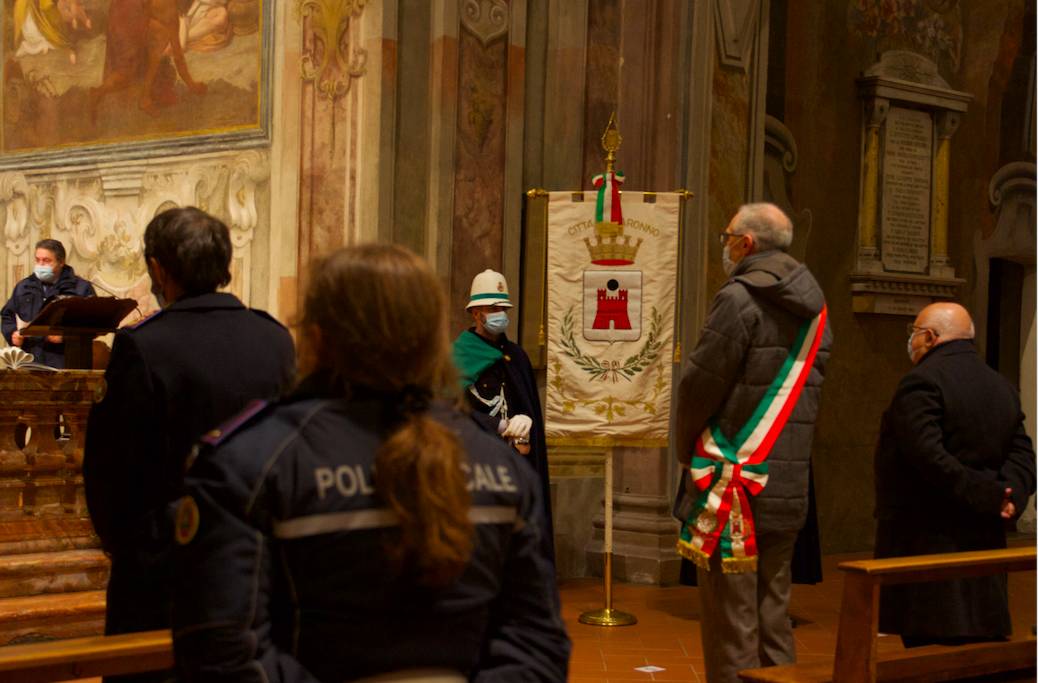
<point>441,113</point>
<point>827,46</point>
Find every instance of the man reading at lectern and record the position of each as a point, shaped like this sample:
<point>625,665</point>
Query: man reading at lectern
<point>51,277</point>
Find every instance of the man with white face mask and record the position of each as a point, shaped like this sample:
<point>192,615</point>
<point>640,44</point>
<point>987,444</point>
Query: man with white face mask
<point>746,407</point>
<point>953,465</point>
<point>497,378</point>
<point>51,277</point>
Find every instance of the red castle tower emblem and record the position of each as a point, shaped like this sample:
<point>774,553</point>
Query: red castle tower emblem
<point>611,312</point>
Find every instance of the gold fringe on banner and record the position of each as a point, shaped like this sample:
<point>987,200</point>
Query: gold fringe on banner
<point>606,441</point>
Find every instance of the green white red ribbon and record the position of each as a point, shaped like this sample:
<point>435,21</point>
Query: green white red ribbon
<point>727,472</point>
<point>608,186</point>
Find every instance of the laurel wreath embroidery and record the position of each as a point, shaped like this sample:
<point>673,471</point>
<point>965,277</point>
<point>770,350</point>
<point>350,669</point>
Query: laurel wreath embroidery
<point>611,407</point>
<point>612,370</point>
<point>607,406</point>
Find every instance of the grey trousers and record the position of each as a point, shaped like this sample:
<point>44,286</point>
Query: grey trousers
<point>744,617</point>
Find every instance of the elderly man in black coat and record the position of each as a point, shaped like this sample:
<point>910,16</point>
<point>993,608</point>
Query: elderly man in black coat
<point>952,466</point>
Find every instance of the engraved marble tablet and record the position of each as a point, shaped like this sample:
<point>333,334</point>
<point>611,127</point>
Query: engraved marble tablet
<point>907,168</point>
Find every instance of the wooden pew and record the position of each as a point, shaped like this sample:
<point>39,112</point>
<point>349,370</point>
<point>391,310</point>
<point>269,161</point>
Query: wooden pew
<point>857,660</point>
<point>63,660</point>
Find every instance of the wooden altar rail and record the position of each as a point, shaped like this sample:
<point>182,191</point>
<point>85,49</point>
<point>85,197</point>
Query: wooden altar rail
<point>857,659</point>
<point>63,660</point>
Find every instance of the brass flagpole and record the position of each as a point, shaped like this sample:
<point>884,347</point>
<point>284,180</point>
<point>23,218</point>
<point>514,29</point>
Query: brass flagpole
<point>608,616</point>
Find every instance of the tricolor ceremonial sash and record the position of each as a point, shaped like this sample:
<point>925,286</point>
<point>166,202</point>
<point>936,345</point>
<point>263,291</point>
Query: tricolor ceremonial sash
<point>727,472</point>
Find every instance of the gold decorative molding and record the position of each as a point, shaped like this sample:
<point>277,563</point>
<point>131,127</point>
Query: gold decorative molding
<point>328,61</point>
<point>485,19</point>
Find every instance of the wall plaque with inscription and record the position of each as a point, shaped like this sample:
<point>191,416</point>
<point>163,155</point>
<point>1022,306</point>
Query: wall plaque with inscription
<point>906,193</point>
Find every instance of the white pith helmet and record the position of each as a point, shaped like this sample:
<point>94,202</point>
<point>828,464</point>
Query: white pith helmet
<point>489,289</point>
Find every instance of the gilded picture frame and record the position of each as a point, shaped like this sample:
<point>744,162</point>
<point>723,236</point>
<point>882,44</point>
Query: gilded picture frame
<point>91,80</point>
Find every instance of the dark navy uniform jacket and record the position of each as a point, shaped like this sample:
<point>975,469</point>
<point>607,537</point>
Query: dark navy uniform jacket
<point>286,579</point>
<point>170,379</point>
<point>26,303</point>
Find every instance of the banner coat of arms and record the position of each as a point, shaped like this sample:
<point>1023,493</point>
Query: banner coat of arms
<point>611,290</point>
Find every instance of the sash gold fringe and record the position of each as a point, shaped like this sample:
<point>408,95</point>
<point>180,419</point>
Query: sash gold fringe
<point>694,555</point>
<point>739,565</point>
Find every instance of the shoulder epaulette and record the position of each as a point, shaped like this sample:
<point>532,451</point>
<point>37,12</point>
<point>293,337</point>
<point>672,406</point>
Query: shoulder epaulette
<point>145,320</point>
<point>215,437</point>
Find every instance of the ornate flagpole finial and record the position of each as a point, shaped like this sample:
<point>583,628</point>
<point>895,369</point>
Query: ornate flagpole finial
<point>611,141</point>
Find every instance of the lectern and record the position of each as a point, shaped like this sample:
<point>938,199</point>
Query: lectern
<point>79,320</point>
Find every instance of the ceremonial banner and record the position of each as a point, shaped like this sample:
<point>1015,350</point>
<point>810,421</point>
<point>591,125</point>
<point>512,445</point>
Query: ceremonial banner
<point>612,283</point>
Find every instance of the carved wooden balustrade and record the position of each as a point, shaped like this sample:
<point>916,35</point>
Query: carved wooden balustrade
<point>52,572</point>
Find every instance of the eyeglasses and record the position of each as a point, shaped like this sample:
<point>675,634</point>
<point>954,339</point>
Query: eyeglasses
<point>725,236</point>
<point>913,330</point>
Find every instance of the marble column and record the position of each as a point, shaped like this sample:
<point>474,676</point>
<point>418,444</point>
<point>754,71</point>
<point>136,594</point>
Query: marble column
<point>868,252</point>
<point>947,122</point>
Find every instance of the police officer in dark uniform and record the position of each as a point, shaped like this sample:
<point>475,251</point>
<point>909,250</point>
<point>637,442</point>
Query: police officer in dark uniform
<point>357,529</point>
<point>499,385</point>
<point>51,277</point>
<point>172,377</point>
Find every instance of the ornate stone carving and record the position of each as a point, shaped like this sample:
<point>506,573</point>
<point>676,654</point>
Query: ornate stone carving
<point>485,19</point>
<point>780,139</point>
<point>100,214</point>
<point>247,171</point>
<point>907,66</point>
<point>327,59</point>
<point>735,22</point>
<point>14,194</point>
<point>1018,176</point>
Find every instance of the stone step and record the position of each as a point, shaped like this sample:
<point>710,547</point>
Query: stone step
<point>48,617</point>
<point>67,571</point>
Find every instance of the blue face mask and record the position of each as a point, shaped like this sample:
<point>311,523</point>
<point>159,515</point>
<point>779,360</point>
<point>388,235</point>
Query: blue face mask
<point>44,273</point>
<point>495,323</point>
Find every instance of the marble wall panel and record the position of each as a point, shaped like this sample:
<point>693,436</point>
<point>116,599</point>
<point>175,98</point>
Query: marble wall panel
<point>479,170</point>
<point>829,44</point>
<point>332,60</point>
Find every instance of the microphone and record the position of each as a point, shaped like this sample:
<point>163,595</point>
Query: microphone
<point>137,308</point>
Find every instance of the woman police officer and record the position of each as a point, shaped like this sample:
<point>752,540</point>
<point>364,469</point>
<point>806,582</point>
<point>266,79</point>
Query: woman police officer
<point>357,529</point>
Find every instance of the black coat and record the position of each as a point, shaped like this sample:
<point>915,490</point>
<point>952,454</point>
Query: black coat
<point>515,369</point>
<point>951,442</point>
<point>27,301</point>
<point>287,579</point>
<point>171,378</point>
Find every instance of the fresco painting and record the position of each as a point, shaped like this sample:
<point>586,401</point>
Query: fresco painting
<point>88,72</point>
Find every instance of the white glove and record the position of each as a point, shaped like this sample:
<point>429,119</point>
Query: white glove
<point>518,427</point>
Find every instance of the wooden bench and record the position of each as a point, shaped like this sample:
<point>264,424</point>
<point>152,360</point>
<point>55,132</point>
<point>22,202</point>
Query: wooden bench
<point>857,660</point>
<point>63,660</point>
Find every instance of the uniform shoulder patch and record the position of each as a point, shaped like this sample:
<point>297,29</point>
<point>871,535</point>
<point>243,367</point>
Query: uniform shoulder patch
<point>186,525</point>
<point>214,437</point>
<point>144,321</point>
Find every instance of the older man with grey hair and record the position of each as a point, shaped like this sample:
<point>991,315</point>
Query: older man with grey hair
<point>746,409</point>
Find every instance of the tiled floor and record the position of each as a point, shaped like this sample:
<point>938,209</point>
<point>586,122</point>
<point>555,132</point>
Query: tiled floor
<point>667,632</point>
